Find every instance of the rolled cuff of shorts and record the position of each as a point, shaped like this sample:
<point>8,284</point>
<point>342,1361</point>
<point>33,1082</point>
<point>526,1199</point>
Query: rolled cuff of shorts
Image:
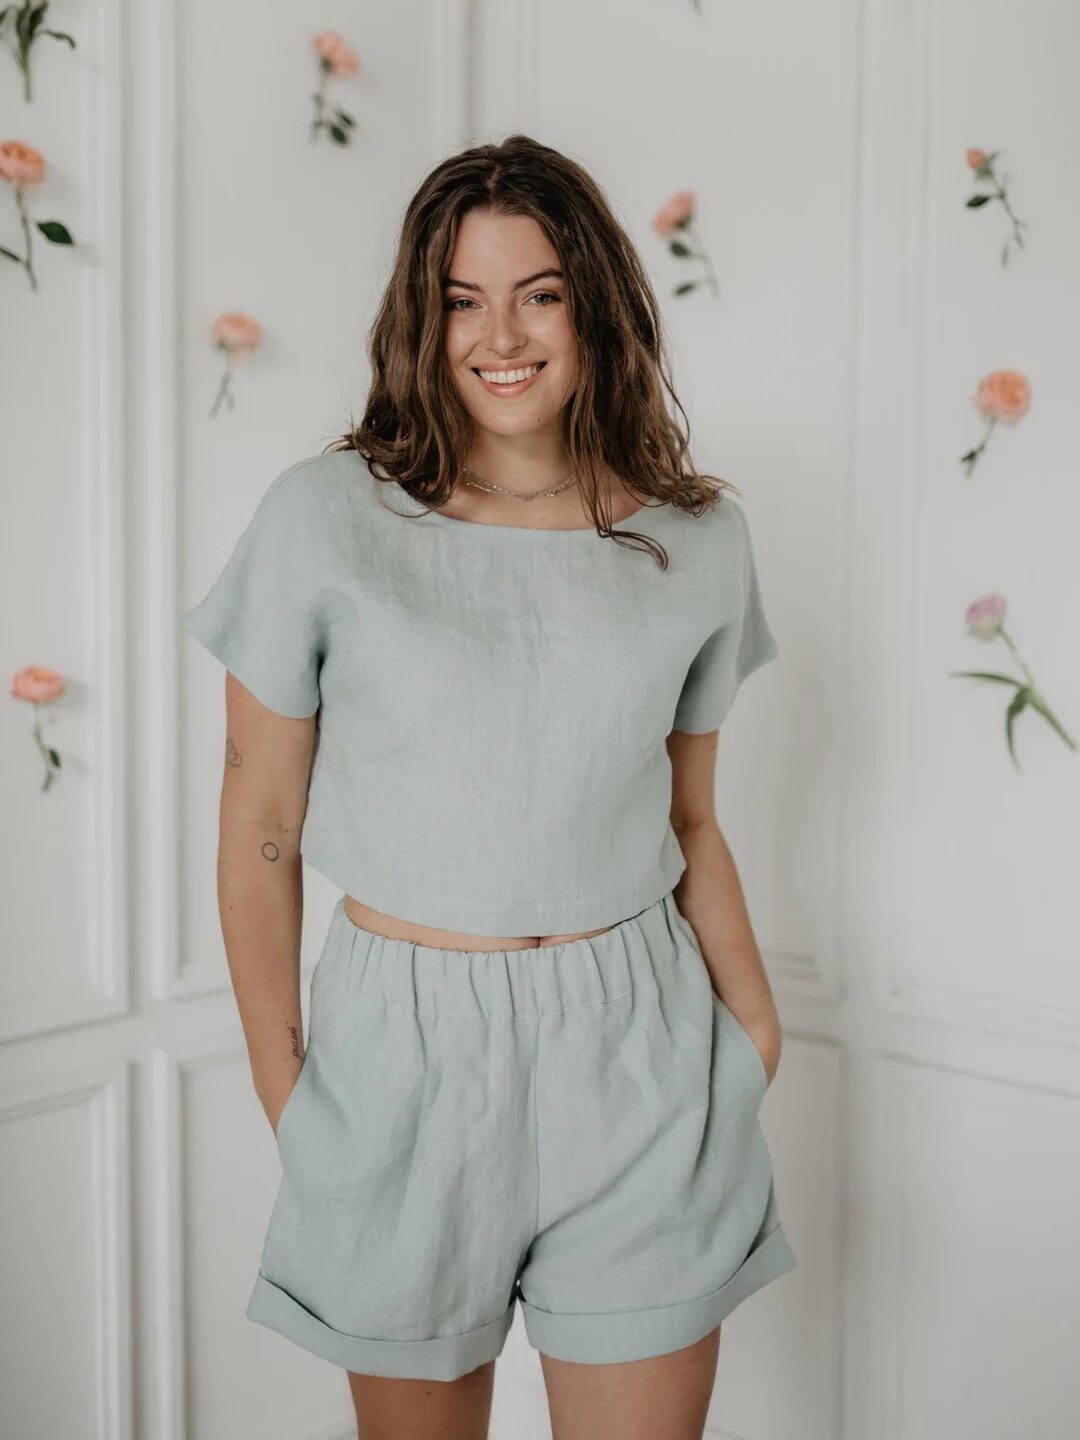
<point>608,1339</point>
<point>445,1357</point>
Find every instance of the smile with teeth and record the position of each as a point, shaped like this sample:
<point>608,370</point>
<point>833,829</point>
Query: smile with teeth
<point>509,377</point>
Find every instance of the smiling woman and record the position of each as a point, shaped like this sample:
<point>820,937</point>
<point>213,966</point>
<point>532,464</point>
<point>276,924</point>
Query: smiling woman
<point>500,622</point>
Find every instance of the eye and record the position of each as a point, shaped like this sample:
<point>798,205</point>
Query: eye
<point>458,299</point>
<point>544,294</point>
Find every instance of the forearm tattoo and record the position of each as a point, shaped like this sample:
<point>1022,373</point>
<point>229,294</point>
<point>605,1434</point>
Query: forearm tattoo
<point>294,1036</point>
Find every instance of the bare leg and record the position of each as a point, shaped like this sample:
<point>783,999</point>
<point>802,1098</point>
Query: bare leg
<point>663,1398</point>
<point>392,1409</point>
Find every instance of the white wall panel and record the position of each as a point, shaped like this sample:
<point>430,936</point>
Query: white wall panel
<point>977,1327</point>
<point>62,564</point>
<point>64,1362</point>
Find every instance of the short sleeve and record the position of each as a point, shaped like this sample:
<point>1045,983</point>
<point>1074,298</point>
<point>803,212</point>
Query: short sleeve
<point>261,616</point>
<point>734,650</point>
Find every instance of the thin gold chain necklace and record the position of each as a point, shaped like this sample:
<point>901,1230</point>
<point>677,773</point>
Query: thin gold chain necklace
<point>481,484</point>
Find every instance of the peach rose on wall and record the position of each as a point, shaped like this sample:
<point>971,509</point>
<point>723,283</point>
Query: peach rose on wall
<point>235,335</point>
<point>1003,395</point>
<point>22,167</point>
<point>336,58</point>
<point>673,222</point>
<point>981,166</point>
<point>38,685</point>
<point>985,619</point>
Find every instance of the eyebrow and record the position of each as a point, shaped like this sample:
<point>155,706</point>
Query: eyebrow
<point>550,274</point>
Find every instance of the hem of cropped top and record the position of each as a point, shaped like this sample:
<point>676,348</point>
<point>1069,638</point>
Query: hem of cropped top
<point>413,903</point>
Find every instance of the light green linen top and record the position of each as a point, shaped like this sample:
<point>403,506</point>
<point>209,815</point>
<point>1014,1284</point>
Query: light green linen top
<point>492,701</point>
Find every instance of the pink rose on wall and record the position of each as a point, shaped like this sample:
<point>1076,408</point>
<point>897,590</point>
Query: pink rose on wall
<point>1005,396</point>
<point>20,26</point>
<point>21,166</point>
<point>985,620</point>
<point>982,167</point>
<point>338,58</point>
<point>673,222</point>
<point>235,335</point>
<point>38,685</point>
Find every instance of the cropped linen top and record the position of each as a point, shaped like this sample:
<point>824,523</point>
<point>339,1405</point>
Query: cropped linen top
<point>492,701</point>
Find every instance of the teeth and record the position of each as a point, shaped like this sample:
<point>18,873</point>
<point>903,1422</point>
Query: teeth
<point>507,377</point>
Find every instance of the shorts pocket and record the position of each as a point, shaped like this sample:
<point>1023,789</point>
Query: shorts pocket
<point>320,977</point>
<point>293,1096</point>
<point>741,1038</point>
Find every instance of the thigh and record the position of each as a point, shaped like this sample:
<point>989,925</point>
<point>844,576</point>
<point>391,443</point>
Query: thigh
<point>665,1397</point>
<point>391,1408</point>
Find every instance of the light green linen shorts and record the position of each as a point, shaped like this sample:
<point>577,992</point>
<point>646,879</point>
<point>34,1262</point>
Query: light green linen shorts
<point>573,1126</point>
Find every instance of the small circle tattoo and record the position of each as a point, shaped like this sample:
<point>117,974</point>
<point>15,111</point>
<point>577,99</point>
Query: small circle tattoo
<point>270,850</point>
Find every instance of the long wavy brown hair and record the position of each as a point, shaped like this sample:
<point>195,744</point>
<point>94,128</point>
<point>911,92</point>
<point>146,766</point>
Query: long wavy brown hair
<point>415,431</point>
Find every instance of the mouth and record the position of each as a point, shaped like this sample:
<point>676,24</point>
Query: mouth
<point>508,382</point>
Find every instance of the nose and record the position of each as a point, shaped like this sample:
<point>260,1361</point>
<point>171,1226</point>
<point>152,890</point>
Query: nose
<point>506,335</point>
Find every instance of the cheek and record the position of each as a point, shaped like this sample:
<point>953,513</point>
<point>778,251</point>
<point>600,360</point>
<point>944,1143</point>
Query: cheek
<point>455,342</point>
<point>559,338</point>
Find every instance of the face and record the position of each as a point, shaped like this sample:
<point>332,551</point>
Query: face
<point>506,310</point>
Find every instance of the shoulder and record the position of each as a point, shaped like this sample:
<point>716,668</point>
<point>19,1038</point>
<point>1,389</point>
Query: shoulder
<point>316,481</point>
<point>312,497</point>
<point>718,533</point>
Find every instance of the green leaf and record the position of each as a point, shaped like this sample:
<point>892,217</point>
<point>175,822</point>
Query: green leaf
<point>686,287</point>
<point>10,254</point>
<point>37,15</point>
<point>345,118</point>
<point>977,200</point>
<point>1016,705</point>
<point>340,135</point>
<point>1039,704</point>
<point>988,675</point>
<point>54,756</point>
<point>678,248</point>
<point>60,35</point>
<point>54,231</point>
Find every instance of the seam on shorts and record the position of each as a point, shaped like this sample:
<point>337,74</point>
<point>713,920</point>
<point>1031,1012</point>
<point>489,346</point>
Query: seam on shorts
<point>383,1003</point>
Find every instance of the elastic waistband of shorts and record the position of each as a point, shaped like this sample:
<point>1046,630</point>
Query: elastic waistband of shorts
<point>538,980</point>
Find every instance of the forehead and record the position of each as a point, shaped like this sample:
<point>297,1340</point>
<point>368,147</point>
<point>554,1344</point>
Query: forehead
<point>495,250</point>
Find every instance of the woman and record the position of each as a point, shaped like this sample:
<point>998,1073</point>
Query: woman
<point>478,654</point>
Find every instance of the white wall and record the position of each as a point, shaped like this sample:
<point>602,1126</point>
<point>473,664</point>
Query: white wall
<point>914,894</point>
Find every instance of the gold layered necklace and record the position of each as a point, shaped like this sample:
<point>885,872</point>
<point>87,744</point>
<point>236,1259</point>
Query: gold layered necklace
<point>480,484</point>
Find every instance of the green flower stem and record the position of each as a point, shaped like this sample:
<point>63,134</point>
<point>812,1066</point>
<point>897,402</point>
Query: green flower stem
<point>1017,223</point>
<point>223,393</point>
<point>46,754</point>
<point>701,255</point>
<point>320,100</point>
<point>20,201</point>
<point>1016,656</point>
<point>972,456</point>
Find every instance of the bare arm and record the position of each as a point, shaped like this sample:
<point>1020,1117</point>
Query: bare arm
<point>709,895</point>
<point>264,790</point>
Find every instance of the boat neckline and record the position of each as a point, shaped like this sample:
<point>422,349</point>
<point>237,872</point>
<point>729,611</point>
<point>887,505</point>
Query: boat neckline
<point>438,518</point>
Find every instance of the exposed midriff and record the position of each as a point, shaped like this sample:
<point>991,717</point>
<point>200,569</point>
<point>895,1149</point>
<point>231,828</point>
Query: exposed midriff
<point>394,928</point>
